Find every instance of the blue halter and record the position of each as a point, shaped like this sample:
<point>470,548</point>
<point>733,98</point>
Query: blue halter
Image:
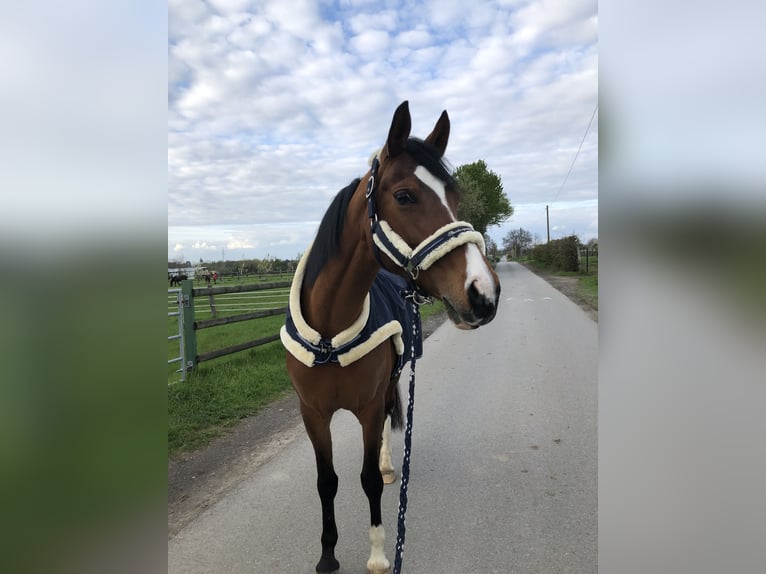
<point>447,237</point>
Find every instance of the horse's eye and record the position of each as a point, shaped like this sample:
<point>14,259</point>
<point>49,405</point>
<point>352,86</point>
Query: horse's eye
<point>404,197</point>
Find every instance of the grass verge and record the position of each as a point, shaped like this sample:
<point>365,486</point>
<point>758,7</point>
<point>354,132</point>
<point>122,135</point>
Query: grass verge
<point>588,290</point>
<point>221,392</point>
<point>587,282</point>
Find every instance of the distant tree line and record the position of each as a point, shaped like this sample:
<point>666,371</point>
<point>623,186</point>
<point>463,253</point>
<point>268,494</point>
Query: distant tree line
<point>244,267</point>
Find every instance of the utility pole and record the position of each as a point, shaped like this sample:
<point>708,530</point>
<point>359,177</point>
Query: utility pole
<point>548,223</point>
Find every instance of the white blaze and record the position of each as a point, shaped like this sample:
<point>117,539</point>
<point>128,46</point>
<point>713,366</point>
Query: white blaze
<point>436,185</point>
<point>478,273</point>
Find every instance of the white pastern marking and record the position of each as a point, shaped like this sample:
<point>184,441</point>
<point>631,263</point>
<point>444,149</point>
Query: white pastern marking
<point>377,561</point>
<point>478,273</point>
<point>436,185</point>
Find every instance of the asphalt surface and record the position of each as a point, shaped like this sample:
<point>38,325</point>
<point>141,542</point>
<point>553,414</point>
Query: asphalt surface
<point>504,461</point>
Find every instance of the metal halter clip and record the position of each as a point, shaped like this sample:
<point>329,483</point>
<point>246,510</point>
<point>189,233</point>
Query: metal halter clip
<point>373,174</point>
<point>419,299</point>
<point>413,271</point>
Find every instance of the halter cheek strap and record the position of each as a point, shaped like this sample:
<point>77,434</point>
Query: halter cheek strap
<point>437,245</point>
<point>430,250</point>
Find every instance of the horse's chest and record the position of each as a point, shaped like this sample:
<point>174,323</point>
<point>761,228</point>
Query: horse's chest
<point>390,317</point>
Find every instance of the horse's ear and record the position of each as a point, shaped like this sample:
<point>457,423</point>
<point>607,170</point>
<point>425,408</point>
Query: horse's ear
<point>440,134</point>
<point>400,130</point>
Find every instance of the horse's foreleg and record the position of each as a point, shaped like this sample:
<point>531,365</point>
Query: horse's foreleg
<point>372,483</point>
<point>386,466</point>
<point>318,429</point>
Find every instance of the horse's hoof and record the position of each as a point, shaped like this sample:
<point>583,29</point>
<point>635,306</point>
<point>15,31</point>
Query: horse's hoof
<point>327,565</point>
<point>377,571</point>
<point>389,477</point>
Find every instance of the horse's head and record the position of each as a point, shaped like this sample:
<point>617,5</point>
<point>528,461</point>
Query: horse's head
<point>414,208</point>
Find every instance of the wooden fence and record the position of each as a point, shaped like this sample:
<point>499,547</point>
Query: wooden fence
<point>191,325</point>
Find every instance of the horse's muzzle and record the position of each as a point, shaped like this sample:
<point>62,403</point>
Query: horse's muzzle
<point>481,310</point>
<point>483,307</point>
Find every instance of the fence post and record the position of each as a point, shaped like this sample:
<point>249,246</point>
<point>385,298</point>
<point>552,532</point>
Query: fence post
<point>190,338</point>
<point>211,300</point>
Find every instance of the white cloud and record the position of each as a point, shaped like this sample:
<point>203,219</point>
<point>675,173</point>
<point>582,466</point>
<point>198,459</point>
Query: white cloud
<point>370,43</point>
<point>241,244</point>
<point>230,6</point>
<point>417,38</point>
<point>204,245</point>
<point>273,107</point>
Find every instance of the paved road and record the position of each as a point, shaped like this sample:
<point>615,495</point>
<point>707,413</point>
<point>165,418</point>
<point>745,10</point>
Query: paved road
<point>504,462</point>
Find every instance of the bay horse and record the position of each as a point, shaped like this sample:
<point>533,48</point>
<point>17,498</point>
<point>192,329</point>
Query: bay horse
<point>398,221</point>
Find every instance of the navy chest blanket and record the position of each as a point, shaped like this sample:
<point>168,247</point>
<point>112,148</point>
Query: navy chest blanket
<point>386,314</point>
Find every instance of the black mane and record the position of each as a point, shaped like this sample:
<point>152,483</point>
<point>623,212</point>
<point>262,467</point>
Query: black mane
<point>428,156</point>
<point>328,236</point>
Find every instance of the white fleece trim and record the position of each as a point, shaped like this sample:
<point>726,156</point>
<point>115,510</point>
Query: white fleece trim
<point>455,242</point>
<point>296,349</point>
<point>383,248</point>
<point>391,330</point>
<point>356,327</point>
<point>303,328</point>
<point>444,229</point>
<point>393,237</point>
<point>407,251</point>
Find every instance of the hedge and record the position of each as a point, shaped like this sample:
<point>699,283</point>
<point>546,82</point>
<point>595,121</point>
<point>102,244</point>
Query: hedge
<point>559,254</point>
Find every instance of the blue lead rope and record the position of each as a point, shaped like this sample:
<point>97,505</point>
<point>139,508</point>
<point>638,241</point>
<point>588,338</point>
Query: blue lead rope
<point>401,527</point>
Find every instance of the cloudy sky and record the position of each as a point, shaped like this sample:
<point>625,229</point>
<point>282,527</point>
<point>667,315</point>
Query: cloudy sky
<point>274,106</point>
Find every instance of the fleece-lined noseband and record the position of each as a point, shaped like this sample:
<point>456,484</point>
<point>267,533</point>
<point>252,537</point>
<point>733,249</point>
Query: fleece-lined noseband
<point>430,250</point>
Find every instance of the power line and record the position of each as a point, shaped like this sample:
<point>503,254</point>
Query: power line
<point>593,115</point>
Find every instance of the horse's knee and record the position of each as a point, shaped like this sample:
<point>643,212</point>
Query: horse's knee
<point>327,483</point>
<point>372,481</point>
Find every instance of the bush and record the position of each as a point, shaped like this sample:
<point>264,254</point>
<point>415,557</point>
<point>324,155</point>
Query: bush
<point>559,254</point>
<point>565,254</point>
<point>543,254</point>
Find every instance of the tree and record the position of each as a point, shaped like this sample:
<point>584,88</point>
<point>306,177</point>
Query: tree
<point>491,246</point>
<point>516,241</point>
<point>483,203</point>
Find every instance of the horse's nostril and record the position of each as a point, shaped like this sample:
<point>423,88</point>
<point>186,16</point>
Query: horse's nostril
<point>482,305</point>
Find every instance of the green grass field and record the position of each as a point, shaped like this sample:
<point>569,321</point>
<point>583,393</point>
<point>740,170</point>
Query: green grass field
<point>588,289</point>
<point>222,391</point>
<point>588,280</point>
